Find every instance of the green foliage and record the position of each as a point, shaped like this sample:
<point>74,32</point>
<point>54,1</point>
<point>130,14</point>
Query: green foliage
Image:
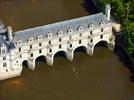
<point>129,36</point>
<point>123,12</point>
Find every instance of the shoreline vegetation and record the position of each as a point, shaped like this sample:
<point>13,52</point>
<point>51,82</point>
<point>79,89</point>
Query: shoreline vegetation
<point>123,12</point>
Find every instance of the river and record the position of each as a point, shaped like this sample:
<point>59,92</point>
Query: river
<point>102,76</point>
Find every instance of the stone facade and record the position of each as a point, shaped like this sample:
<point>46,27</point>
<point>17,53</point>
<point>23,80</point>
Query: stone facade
<point>27,45</point>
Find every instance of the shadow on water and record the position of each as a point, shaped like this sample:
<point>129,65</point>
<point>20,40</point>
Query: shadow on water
<point>80,50</point>
<point>60,54</point>
<point>25,63</point>
<point>89,6</point>
<point>41,59</point>
<point>102,44</point>
<point>123,57</point>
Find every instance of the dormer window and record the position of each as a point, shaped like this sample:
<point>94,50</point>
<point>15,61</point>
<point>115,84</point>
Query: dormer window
<point>70,31</point>
<point>102,23</point>
<point>39,37</point>
<point>30,39</point>
<point>4,58</point>
<point>49,35</point>
<point>19,42</point>
<point>4,64</point>
<point>60,33</point>
<point>3,51</point>
<point>91,26</point>
<point>80,29</point>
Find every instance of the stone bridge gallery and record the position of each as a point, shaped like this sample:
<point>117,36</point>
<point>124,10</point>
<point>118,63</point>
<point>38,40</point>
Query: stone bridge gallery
<point>27,45</point>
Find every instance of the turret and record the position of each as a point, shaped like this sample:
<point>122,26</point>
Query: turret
<point>108,11</point>
<point>9,33</point>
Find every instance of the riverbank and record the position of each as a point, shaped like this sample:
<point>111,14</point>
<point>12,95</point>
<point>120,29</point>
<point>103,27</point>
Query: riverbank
<point>120,42</point>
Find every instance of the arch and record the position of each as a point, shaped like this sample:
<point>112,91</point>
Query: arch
<point>25,63</point>
<point>61,53</point>
<point>103,43</point>
<point>80,49</point>
<point>40,58</point>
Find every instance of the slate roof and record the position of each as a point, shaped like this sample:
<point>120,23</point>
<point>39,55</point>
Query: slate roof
<point>62,26</point>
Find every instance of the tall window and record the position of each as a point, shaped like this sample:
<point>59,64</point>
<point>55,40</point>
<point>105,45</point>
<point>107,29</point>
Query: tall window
<point>40,44</point>
<point>79,41</point>
<point>4,57</point>
<point>70,37</point>
<point>60,39</point>
<point>31,54</point>
<point>40,51</point>
<point>20,56</point>
<point>101,36</point>
<point>71,46</point>
<point>60,46</point>
<point>91,32</point>
<point>19,49</point>
<point>91,40</point>
<point>49,42</point>
<point>4,64</point>
<point>50,50</point>
<point>30,46</point>
<point>3,51</point>
<point>102,30</point>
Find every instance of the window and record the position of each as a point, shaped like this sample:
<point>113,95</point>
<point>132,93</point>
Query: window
<point>4,64</point>
<point>40,44</point>
<point>40,51</point>
<point>60,39</point>
<point>70,45</point>
<point>20,56</point>
<point>60,33</point>
<point>30,39</point>
<point>39,37</point>
<point>50,50</point>
<point>31,54</point>
<point>60,46</point>
<point>102,30</point>
<point>91,40</point>
<point>80,28</point>
<point>49,42</point>
<point>101,36</point>
<point>79,41</point>
<point>49,35</point>
<point>70,37</point>
<point>19,42</point>
<point>91,32</point>
<point>102,23</point>
<point>91,26</point>
<point>80,34</point>
<point>4,58</point>
<point>19,49</point>
<point>70,30</point>
<point>30,46</point>
<point>17,61</point>
<point>3,51</point>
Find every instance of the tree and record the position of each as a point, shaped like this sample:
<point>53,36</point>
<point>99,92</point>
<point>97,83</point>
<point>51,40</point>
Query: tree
<point>123,11</point>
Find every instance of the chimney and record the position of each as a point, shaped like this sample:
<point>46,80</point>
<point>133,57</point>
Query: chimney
<point>9,33</point>
<point>108,11</point>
